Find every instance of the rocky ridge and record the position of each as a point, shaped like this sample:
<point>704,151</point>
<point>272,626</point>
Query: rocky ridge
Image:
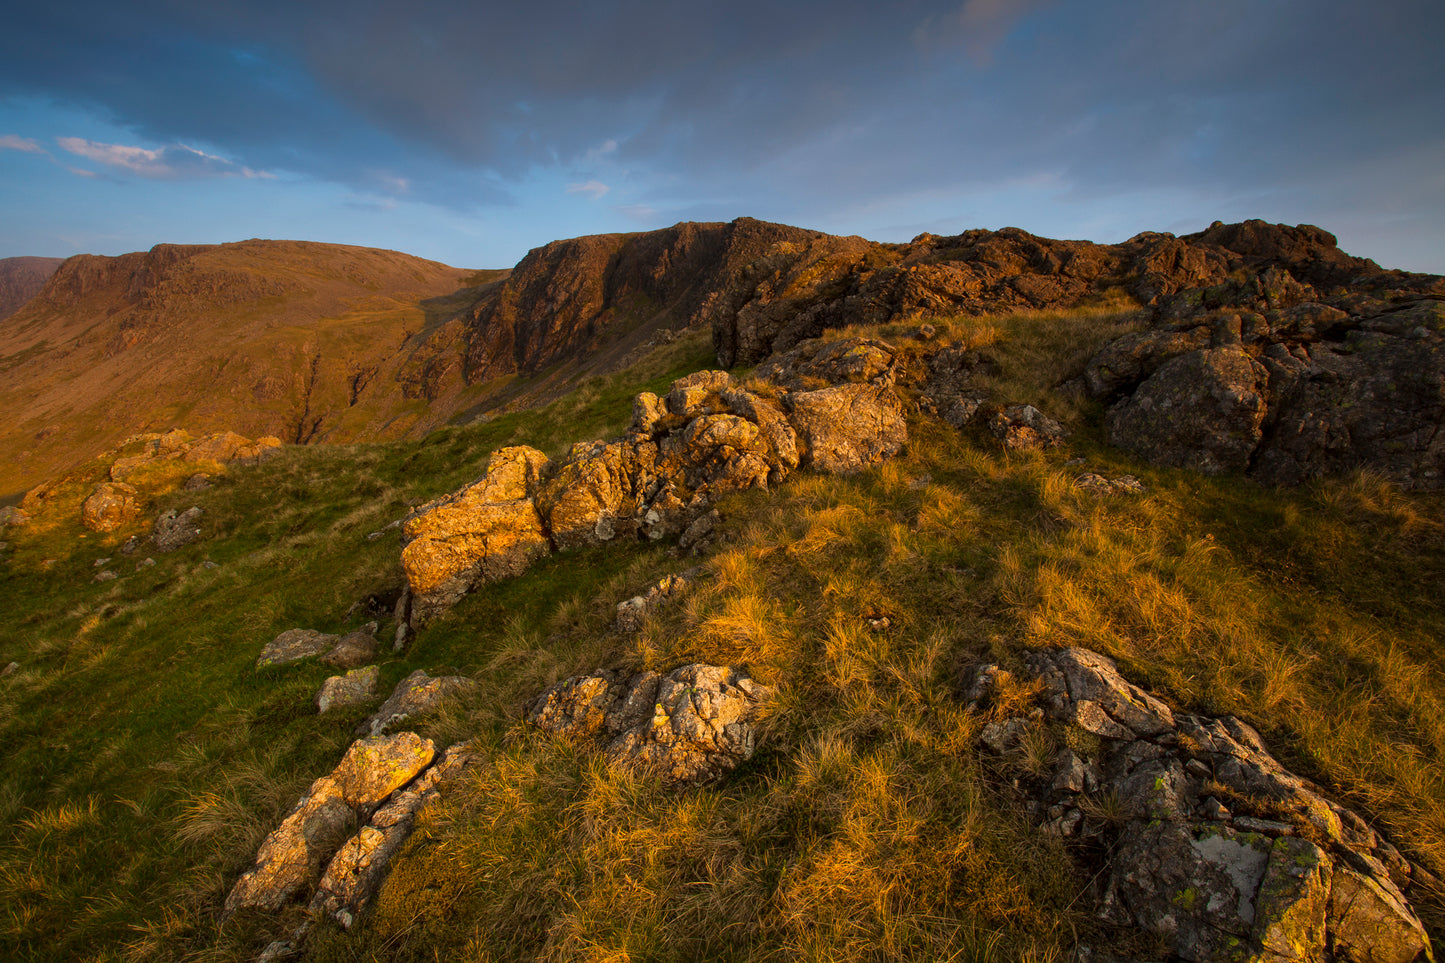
<point>708,436</point>
<point>1285,378</point>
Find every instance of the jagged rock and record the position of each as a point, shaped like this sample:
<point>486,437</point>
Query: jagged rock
<point>1201,410</point>
<point>110,506</point>
<point>591,489</point>
<point>1025,428</point>
<point>1213,883</point>
<point>1270,375</point>
<point>353,688</point>
<point>848,427</point>
<point>294,645</point>
<point>353,649</point>
<point>292,856</point>
<point>707,437</point>
<point>175,530</point>
<point>360,865</point>
<point>693,725</point>
<point>415,695</point>
<point>486,531</point>
<point>198,482</point>
<point>106,576</point>
<point>631,613</point>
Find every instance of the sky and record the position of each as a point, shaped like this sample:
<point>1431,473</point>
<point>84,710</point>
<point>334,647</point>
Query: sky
<point>471,132</point>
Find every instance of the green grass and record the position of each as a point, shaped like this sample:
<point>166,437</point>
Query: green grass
<point>144,758</point>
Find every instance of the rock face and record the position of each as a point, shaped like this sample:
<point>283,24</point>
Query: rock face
<point>1300,371</point>
<point>487,531</point>
<point>693,725</point>
<point>707,436</point>
<point>1216,848</point>
<point>291,857</point>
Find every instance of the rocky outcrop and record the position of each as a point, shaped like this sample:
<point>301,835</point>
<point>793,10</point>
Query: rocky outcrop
<point>1211,844</point>
<point>1025,428</point>
<point>693,725</point>
<point>1285,380</point>
<point>174,530</point>
<point>488,530</point>
<point>110,506</point>
<point>360,865</point>
<point>340,651</point>
<point>293,645</point>
<point>707,436</point>
<point>292,856</point>
<point>413,696</point>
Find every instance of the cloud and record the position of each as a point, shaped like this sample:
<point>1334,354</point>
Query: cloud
<point>176,162</point>
<point>593,189</point>
<point>23,144</point>
<point>608,146</point>
<point>979,25</point>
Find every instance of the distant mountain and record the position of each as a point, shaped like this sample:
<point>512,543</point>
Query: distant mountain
<point>264,337</point>
<point>21,278</point>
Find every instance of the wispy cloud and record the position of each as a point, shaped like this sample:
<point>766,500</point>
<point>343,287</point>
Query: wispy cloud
<point>980,25</point>
<point>608,146</point>
<point>175,162</point>
<point>23,144</point>
<point>593,189</point>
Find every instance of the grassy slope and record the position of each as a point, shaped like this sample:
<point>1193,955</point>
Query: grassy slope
<point>144,759</point>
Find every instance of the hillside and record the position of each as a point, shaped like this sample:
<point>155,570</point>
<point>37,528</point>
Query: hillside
<point>324,344</point>
<point>21,278</point>
<point>266,337</point>
<point>1102,631</point>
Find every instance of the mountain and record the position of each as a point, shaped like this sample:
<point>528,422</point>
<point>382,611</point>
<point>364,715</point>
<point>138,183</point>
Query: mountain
<point>21,278</point>
<point>316,343</point>
<point>267,337</point>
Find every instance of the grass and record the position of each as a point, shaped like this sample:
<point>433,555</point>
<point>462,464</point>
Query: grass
<point>144,757</point>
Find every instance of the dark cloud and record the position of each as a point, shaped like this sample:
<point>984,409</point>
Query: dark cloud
<point>747,101</point>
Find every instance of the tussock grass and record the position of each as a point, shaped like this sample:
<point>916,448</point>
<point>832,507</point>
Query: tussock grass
<point>144,757</point>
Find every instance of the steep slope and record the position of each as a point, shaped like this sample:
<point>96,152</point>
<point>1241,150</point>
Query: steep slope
<point>21,278</point>
<point>264,337</point>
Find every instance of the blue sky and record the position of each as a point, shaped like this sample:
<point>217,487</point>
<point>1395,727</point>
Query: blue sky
<point>471,132</point>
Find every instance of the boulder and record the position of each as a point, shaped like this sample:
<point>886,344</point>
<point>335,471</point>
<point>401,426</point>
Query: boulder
<point>1280,874</point>
<point>294,645</point>
<point>354,688</point>
<point>175,530</point>
<point>357,870</point>
<point>846,428</point>
<point>693,725</point>
<point>415,695</point>
<point>292,856</point>
<point>353,649</point>
<point>110,506</point>
<point>484,532</point>
<point>1201,410</point>
<point>1025,428</point>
